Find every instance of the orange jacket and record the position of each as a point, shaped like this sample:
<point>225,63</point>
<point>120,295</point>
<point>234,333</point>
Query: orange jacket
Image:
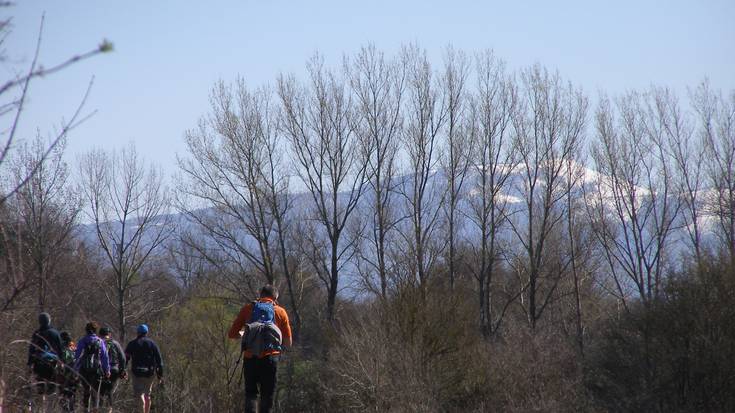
<point>281,320</point>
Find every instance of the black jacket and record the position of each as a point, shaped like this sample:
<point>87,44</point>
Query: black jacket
<point>45,338</point>
<point>144,353</point>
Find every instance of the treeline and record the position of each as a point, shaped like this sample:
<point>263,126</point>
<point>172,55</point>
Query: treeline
<point>446,237</point>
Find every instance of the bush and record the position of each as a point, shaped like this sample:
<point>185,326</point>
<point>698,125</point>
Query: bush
<point>676,356</point>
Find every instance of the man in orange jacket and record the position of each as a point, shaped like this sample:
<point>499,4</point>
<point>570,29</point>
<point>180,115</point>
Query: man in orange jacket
<point>261,369</point>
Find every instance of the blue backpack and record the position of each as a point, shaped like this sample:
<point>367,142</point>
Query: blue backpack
<point>263,312</point>
<point>261,332</point>
<point>47,356</point>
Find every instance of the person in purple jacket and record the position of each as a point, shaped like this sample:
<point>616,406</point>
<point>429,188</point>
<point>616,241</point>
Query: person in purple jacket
<point>92,363</point>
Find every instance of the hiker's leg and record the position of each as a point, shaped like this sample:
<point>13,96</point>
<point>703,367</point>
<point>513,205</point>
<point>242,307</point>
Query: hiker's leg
<point>250,365</point>
<point>108,391</point>
<point>86,386</point>
<point>141,388</point>
<point>68,393</point>
<point>114,383</point>
<point>104,390</point>
<point>147,403</point>
<point>96,391</point>
<point>268,368</point>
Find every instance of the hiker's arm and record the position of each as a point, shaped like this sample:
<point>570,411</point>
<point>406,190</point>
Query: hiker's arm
<point>31,350</point>
<point>159,361</point>
<point>127,352</point>
<point>285,326</point>
<point>105,357</point>
<point>80,347</point>
<point>239,322</point>
<point>124,358</point>
<point>58,347</point>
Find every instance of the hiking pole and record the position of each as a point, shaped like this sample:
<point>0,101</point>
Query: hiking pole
<point>242,375</point>
<point>229,381</point>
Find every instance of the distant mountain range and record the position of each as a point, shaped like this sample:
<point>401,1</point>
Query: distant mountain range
<point>513,194</point>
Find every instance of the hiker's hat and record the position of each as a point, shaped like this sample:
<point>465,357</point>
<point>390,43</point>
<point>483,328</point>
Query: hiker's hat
<point>143,329</point>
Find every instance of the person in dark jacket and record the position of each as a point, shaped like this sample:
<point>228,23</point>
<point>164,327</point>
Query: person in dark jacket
<point>118,363</point>
<point>145,360</point>
<point>43,354</point>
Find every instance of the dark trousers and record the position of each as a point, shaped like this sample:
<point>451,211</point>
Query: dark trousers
<point>69,391</point>
<point>260,377</point>
<point>45,379</point>
<point>91,384</point>
<point>108,388</point>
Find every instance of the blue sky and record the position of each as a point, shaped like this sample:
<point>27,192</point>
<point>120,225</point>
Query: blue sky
<point>168,54</point>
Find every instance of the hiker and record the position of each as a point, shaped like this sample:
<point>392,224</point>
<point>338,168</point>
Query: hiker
<point>92,363</point>
<point>145,361</point>
<point>43,356</point>
<point>68,376</point>
<point>117,366</point>
<point>264,329</point>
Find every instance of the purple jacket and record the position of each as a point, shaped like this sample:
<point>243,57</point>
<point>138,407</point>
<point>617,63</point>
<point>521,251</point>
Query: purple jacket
<point>83,343</point>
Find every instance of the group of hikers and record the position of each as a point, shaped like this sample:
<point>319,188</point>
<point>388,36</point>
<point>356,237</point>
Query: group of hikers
<point>97,362</point>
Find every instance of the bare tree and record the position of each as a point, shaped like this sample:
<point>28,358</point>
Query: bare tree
<point>579,252</point>
<point>47,212</point>
<point>456,159</point>
<point>14,94</point>
<point>717,123</point>
<point>688,155</point>
<point>13,276</point>
<point>229,171</point>
<point>425,115</point>
<point>548,126</point>
<point>634,204</point>
<point>378,84</point>
<point>128,204</point>
<point>492,165</point>
<point>236,174</point>
<point>318,121</point>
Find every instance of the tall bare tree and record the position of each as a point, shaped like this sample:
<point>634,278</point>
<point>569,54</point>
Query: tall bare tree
<point>14,96</point>
<point>236,173</point>
<point>493,161</point>
<point>425,115</point>
<point>16,281</point>
<point>229,171</point>
<point>634,204</point>
<point>318,119</point>
<point>459,146</point>
<point>687,152</point>
<point>578,252</point>
<point>548,126</point>
<point>47,210</point>
<point>717,128</point>
<point>378,84</point>
<point>128,203</point>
